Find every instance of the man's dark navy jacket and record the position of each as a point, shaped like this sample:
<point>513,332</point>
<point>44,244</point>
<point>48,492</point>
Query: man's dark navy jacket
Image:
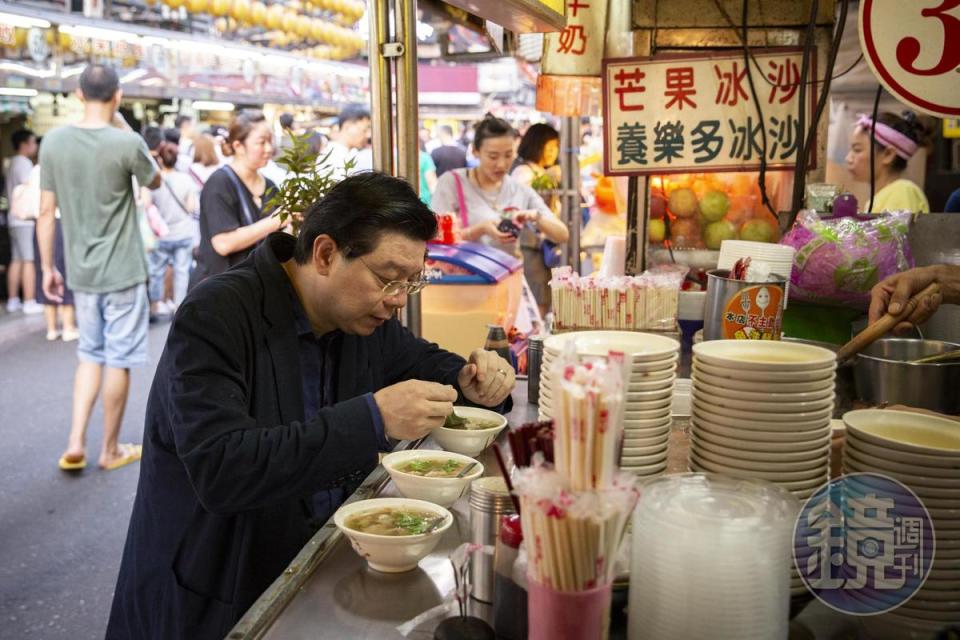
<point>229,465</point>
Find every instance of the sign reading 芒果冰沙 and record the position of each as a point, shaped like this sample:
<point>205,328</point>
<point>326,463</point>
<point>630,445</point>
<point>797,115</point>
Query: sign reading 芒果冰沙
<point>696,113</point>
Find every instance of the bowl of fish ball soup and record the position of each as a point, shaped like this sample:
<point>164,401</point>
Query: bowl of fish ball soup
<point>393,534</point>
<point>469,430</point>
<point>431,475</point>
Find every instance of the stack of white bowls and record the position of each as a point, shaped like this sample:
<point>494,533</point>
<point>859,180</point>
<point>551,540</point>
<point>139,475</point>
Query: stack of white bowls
<point>651,361</point>
<point>922,452</point>
<point>710,559</point>
<point>762,409</point>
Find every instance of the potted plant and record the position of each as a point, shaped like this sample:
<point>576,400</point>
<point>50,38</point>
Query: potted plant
<point>309,178</point>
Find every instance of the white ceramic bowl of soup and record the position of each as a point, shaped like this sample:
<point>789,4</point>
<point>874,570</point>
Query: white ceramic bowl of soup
<point>470,442</point>
<point>429,474</point>
<point>385,551</point>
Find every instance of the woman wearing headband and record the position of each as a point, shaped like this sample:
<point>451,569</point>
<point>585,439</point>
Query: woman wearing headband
<point>897,139</point>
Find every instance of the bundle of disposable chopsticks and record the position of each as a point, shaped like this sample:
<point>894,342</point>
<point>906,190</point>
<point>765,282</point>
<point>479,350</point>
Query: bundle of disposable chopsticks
<point>645,302</point>
<point>574,514</point>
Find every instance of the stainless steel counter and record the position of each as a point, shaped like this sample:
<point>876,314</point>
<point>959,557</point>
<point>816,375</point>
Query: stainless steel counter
<point>329,592</point>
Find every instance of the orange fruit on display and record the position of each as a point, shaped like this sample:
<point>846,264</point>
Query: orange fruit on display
<point>685,231</point>
<point>683,203</point>
<point>606,200</point>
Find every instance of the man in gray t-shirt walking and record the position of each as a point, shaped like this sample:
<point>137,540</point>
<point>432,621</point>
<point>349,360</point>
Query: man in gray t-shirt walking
<point>88,171</point>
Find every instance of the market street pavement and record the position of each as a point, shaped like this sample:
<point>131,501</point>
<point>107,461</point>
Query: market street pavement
<point>61,535</point>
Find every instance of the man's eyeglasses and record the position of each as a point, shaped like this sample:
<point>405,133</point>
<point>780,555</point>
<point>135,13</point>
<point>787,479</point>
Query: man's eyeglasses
<point>393,288</point>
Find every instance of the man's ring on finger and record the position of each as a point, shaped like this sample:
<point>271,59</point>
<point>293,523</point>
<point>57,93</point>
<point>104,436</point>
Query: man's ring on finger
<point>501,372</point>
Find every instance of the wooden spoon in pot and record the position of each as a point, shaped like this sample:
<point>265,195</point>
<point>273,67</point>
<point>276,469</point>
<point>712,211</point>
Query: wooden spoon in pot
<point>882,326</point>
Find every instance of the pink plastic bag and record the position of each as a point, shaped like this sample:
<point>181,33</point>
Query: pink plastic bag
<point>838,261</point>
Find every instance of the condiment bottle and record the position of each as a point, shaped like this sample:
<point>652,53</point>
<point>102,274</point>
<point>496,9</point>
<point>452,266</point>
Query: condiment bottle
<point>509,598</point>
<point>534,363</point>
<point>497,341</point>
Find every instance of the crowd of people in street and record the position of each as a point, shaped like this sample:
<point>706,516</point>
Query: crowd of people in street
<point>154,213</point>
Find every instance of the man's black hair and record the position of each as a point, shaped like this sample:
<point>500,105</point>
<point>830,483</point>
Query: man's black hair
<point>99,83</point>
<point>153,136</point>
<point>181,119</point>
<point>352,113</point>
<point>171,135</point>
<point>21,137</point>
<point>286,120</point>
<point>359,210</point>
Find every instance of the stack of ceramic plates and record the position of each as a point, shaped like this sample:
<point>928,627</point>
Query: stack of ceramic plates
<point>652,363</point>
<point>923,453</point>
<point>762,409</point>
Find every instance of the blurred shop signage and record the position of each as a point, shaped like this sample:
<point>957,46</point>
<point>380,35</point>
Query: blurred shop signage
<point>521,16</point>
<point>578,49</point>
<point>696,113</point>
<point>37,44</point>
<point>913,48</point>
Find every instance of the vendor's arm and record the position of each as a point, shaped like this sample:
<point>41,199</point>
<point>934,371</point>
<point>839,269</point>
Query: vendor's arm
<point>235,464</point>
<point>892,294</point>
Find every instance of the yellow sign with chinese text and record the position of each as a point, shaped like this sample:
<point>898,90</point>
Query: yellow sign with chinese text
<point>696,113</point>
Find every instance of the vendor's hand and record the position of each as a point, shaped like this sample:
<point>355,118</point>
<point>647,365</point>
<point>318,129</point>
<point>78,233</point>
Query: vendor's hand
<point>414,408</point>
<point>890,296</point>
<point>487,379</point>
<point>53,285</point>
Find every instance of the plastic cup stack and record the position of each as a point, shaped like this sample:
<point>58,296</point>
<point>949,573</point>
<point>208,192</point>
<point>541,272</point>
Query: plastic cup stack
<point>711,559</point>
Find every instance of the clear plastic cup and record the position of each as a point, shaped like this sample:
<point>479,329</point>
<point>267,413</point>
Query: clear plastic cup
<point>568,615</point>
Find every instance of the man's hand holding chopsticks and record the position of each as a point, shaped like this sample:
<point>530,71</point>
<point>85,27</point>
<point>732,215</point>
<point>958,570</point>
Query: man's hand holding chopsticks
<point>487,379</point>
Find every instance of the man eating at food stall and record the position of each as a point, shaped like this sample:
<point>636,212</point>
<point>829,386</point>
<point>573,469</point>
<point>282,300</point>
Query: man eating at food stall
<point>280,382</point>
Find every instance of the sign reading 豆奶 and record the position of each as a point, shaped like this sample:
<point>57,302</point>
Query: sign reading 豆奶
<point>695,113</point>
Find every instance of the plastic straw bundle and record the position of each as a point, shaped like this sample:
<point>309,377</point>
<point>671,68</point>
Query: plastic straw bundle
<point>637,303</point>
<point>572,537</point>
<point>589,424</point>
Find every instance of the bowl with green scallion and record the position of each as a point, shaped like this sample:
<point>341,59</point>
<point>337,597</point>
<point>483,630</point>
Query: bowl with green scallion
<point>393,534</point>
<point>440,477</point>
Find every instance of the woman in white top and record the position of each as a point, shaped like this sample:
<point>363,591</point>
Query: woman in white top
<point>176,202</point>
<point>484,196</point>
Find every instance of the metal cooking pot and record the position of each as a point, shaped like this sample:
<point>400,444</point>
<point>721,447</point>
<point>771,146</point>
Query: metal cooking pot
<point>844,393</point>
<point>883,374</point>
